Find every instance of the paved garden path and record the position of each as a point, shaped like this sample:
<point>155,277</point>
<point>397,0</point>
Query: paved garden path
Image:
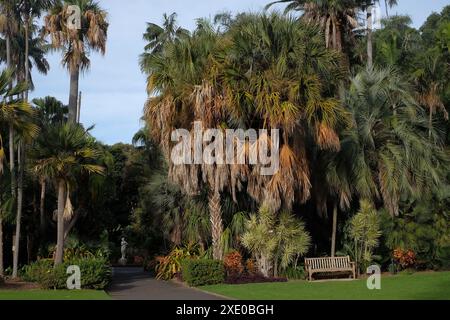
<point>134,284</point>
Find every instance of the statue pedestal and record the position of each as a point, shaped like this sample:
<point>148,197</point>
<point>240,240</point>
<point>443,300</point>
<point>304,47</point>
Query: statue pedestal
<point>122,261</point>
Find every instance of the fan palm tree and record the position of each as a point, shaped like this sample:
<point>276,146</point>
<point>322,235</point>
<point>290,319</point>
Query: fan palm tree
<point>76,44</point>
<point>59,153</point>
<point>337,18</point>
<point>386,150</point>
<point>248,78</point>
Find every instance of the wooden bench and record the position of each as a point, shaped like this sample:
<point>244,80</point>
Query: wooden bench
<point>329,265</point>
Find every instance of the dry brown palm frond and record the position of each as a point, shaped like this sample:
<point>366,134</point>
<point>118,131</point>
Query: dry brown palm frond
<point>159,113</point>
<point>208,104</point>
<point>432,100</point>
<point>291,177</point>
<point>327,138</point>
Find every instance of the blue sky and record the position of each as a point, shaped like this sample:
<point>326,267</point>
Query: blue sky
<point>114,88</point>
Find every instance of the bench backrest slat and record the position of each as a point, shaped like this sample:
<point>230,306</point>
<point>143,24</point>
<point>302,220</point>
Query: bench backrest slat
<point>328,263</point>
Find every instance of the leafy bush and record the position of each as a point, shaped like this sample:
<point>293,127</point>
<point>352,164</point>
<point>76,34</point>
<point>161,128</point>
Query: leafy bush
<point>424,228</point>
<point>95,273</point>
<point>233,264</point>
<point>405,258</point>
<point>276,242</point>
<point>203,272</point>
<point>168,267</point>
<point>364,230</point>
<point>293,273</point>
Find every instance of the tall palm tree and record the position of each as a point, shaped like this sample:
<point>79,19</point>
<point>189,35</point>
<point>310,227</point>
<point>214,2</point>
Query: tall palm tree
<point>61,151</point>
<point>76,44</point>
<point>337,18</point>
<point>235,80</point>
<point>387,153</point>
<point>49,112</point>
<point>30,9</point>
<point>9,26</point>
<point>389,4</point>
<point>18,114</point>
<point>430,82</point>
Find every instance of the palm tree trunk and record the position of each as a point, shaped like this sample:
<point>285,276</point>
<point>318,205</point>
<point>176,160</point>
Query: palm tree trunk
<point>73,98</point>
<point>12,161</point>
<point>42,225</point>
<point>369,37</point>
<point>333,233</point>
<point>20,158</point>
<point>60,228</point>
<point>27,49</point>
<point>215,211</point>
<point>387,9</point>
<point>8,51</point>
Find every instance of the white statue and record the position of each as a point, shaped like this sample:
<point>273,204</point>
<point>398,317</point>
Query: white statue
<point>123,250</point>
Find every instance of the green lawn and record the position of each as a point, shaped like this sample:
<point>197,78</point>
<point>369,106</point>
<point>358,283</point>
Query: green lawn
<point>53,295</point>
<point>419,286</point>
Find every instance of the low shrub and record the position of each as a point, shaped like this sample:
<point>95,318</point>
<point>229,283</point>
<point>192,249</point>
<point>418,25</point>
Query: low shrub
<point>405,258</point>
<point>95,273</point>
<point>294,273</point>
<point>169,266</point>
<point>203,272</point>
<point>233,264</point>
<point>2,281</point>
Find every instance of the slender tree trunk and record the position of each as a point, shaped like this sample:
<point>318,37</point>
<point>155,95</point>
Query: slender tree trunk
<point>369,37</point>
<point>73,98</point>
<point>333,233</point>
<point>12,161</point>
<point>42,224</point>
<point>215,211</point>
<point>60,230</point>
<point>20,158</point>
<point>387,9</point>
<point>27,49</point>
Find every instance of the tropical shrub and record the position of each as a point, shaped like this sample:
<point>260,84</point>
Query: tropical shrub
<point>233,264</point>
<point>275,242</point>
<point>169,266</point>
<point>293,273</point>
<point>423,227</point>
<point>95,273</point>
<point>203,272</point>
<point>405,258</point>
<point>364,230</point>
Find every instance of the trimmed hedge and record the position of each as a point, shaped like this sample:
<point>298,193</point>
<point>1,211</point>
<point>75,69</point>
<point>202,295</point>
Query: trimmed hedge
<point>95,273</point>
<point>203,272</point>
